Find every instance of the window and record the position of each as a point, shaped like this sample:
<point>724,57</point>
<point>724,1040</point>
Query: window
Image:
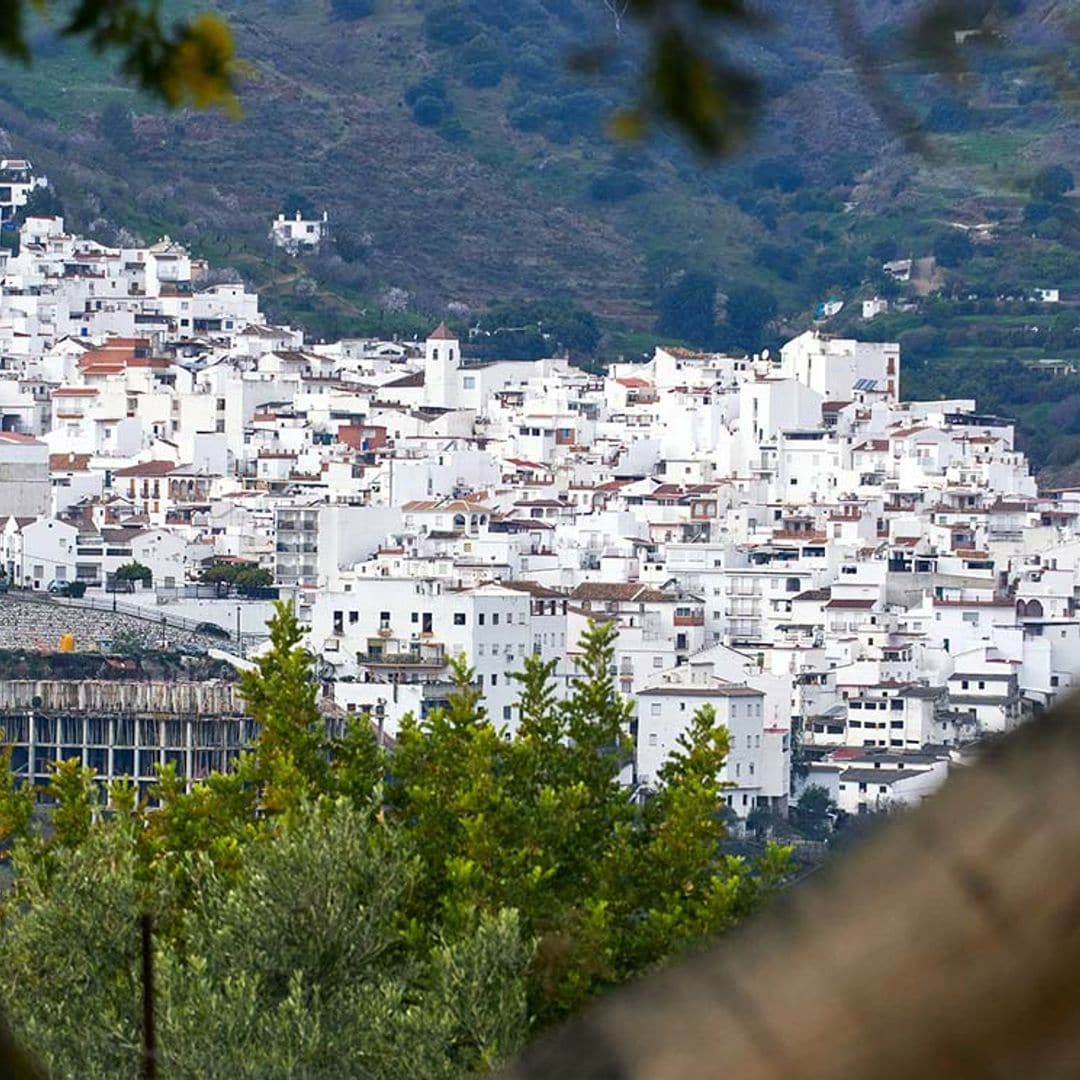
<point>507,712</point>
<point>414,617</point>
<point>494,680</point>
<point>655,708</point>
<point>468,382</point>
<point>480,619</point>
<point>384,619</point>
<point>495,619</point>
<point>459,618</point>
<point>652,738</point>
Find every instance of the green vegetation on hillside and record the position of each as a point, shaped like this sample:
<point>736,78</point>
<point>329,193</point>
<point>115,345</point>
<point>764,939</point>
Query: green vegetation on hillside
<point>461,160</point>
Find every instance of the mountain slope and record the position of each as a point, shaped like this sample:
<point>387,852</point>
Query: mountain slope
<point>459,160</point>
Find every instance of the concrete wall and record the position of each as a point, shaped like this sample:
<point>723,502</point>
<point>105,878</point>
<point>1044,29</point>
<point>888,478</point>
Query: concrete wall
<point>99,696</point>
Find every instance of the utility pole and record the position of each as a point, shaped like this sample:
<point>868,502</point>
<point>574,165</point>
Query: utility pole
<point>239,644</point>
<point>148,1068</point>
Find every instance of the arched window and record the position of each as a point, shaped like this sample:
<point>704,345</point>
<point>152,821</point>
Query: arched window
<point>459,521</point>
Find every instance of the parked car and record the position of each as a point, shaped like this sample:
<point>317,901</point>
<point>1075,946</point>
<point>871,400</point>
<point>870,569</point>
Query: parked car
<point>67,588</point>
<point>213,630</point>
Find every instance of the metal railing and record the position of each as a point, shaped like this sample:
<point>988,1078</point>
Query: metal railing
<point>166,621</point>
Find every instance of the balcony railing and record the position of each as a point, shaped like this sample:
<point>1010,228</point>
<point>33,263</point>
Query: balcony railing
<point>696,619</point>
<point>401,660</point>
<point>737,589</point>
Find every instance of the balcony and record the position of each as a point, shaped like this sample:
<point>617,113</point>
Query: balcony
<point>694,618</point>
<point>402,660</point>
<point>740,589</point>
<point>743,609</point>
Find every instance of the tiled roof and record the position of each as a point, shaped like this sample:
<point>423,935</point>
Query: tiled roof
<point>620,591</point>
<point>147,468</point>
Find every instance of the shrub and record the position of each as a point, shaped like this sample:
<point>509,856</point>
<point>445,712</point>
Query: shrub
<point>483,74</point>
<point>449,25</point>
<point>116,126</point>
<point>616,185</point>
<point>686,309</point>
<point>949,116</point>
<point>1052,182</point>
<point>783,173</point>
<point>428,86</point>
<point>351,10</point>
<point>953,248</point>
<point>429,111</point>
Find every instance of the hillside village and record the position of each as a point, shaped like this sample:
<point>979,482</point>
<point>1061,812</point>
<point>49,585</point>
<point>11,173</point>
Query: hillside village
<point>863,588</point>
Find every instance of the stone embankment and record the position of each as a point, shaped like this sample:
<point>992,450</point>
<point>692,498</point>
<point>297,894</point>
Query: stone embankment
<point>36,622</point>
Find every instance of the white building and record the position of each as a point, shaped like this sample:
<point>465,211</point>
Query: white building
<point>664,714</point>
<point>299,234</point>
<point>25,489</point>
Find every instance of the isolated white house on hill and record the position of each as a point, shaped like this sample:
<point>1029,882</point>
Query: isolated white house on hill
<point>297,234</point>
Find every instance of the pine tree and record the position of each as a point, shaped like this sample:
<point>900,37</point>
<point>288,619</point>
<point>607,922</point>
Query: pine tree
<point>281,696</point>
